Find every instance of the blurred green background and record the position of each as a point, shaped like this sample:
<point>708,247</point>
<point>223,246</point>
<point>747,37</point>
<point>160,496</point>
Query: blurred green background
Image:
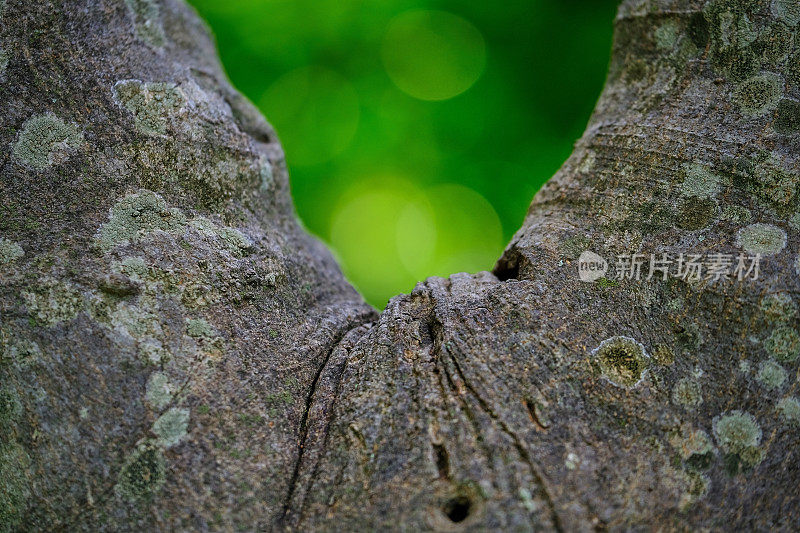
<point>417,132</point>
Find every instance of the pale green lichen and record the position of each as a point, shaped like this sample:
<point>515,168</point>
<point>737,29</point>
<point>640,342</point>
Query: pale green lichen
<point>731,34</point>
<point>44,140</point>
<point>675,304</point>
<point>152,104</point>
<point>778,307</point>
<point>134,321</point>
<point>621,360</point>
<point>9,251</point>
<point>693,446</point>
<point>14,485</point>
<point>527,500</point>
<point>772,183</point>
<point>10,408</point>
<point>736,213</point>
<point>204,225</point>
<point>762,239</point>
<point>234,240</point>
<point>744,366</point>
<point>576,245</point>
<point>687,393</point>
<point>794,222</point>
<point>133,267</point>
<point>237,242</point>
<point>783,344</point>
<point>789,409</point>
<point>774,44</point>
<point>749,457</point>
<point>736,431</point>
<point>700,181</point>
<point>153,352</point>
<point>158,392</point>
<point>171,427</point>
<point>52,301</point>
<point>137,215</point>
<point>786,10</point>
<point>21,353</point>
<point>733,24</point>
<point>759,94</point>
<point>143,473</point>
<point>666,35</point>
<point>771,375</point>
<point>147,21</point>
<point>199,328</point>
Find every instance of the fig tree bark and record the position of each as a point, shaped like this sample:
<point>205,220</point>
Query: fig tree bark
<point>178,354</point>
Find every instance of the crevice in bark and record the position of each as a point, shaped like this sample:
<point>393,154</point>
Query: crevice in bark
<point>293,482</point>
<point>532,408</point>
<point>442,460</point>
<point>523,452</point>
<point>339,373</point>
<point>304,427</point>
<point>438,330</point>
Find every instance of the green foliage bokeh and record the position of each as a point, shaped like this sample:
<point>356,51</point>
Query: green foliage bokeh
<point>416,132</point>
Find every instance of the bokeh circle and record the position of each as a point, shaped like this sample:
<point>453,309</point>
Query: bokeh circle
<point>433,55</point>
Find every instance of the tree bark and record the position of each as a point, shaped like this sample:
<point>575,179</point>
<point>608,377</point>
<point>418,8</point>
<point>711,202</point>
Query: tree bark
<point>178,354</point>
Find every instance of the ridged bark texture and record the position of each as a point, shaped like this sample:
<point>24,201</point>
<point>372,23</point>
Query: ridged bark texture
<point>178,354</point>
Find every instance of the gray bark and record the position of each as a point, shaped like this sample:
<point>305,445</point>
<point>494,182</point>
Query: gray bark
<point>178,354</point>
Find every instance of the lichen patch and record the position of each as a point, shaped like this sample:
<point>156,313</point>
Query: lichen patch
<point>758,95</point>
<point>9,251</point>
<point>687,393</point>
<point>738,434</point>
<point>699,181</point>
<point>783,344</point>
<point>789,409</point>
<point>152,104</point>
<point>52,302</point>
<point>137,215</point>
<point>622,360</point>
<point>171,427</point>
<point>143,473</point>
<point>762,239</point>
<point>45,140</point>
<point>158,392</point>
<point>147,21</point>
<point>771,375</point>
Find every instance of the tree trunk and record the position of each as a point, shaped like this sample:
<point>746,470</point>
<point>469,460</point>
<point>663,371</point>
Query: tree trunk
<point>178,354</point>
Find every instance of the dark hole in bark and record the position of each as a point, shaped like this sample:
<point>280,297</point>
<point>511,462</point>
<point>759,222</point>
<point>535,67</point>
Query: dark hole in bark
<point>457,509</point>
<point>507,269</point>
<point>442,461</point>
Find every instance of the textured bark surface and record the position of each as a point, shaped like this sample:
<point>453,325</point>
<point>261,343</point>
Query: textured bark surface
<point>177,353</point>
